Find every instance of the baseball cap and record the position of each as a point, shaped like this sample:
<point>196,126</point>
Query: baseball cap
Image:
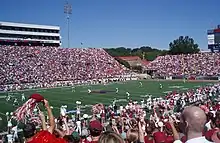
<point>37,97</point>
<point>168,126</point>
<point>95,125</point>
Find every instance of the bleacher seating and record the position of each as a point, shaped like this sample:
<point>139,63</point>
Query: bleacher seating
<point>201,64</point>
<point>25,64</point>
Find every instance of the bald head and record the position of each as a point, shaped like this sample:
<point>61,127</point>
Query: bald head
<point>195,118</point>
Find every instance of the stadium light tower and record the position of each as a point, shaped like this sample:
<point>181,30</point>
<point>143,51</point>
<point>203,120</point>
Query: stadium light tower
<point>68,12</point>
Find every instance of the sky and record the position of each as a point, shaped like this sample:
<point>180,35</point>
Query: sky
<point>116,23</point>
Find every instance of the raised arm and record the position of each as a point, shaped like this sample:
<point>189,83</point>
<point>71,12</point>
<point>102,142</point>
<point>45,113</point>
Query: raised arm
<point>43,121</point>
<point>51,117</point>
<point>66,125</point>
<point>141,133</point>
<point>175,133</point>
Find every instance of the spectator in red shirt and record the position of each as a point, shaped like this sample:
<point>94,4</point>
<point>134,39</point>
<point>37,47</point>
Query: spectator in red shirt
<point>169,134</point>
<point>149,138</point>
<point>45,136</point>
<point>95,128</point>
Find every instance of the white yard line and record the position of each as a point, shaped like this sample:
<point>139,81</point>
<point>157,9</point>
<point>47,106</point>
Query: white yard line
<point>2,114</point>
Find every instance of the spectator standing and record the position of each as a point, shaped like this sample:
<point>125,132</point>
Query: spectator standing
<point>193,121</point>
<point>95,128</point>
<point>44,136</point>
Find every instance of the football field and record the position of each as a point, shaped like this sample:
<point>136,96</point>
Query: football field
<point>100,94</point>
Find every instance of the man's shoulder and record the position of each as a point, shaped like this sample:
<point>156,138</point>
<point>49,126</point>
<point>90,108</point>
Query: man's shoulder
<point>177,141</point>
<point>41,135</point>
<point>195,140</point>
<point>198,140</point>
<point>43,132</point>
<point>46,137</point>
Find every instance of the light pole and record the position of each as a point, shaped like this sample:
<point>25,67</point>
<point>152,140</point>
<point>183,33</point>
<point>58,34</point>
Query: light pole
<point>68,11</point>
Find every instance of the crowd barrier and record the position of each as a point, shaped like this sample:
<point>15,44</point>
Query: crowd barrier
<point>215,78</point>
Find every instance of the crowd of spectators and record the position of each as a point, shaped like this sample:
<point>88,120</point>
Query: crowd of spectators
<point>191,117</point>
<point>46,65</point>
<point>201,64</point>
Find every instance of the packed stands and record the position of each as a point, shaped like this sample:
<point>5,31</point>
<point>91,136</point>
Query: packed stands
<point>201,64</point>
<point>25,64</point>
<point>189,116</point>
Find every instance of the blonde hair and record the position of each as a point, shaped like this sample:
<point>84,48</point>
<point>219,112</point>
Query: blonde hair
<point>110,137</point>
<point>132,135</point>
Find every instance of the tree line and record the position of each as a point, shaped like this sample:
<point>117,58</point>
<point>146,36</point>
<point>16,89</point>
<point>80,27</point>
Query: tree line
<point>181,45</point>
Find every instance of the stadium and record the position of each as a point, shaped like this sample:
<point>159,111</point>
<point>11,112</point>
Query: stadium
<point>88,95</point>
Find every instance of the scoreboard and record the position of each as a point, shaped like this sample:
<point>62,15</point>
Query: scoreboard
<point>214,39</point>
<point>217,38</point>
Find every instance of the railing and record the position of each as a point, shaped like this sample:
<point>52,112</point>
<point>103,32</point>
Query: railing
<point>213,78</point>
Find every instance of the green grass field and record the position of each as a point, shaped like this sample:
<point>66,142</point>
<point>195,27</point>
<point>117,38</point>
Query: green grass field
<point>65,96</point>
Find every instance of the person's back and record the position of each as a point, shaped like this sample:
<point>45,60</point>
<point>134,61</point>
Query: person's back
<point>43,136</point>
<point>46,134</point>
<point>95,129</point>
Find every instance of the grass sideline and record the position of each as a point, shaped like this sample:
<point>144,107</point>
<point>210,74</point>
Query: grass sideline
<point>65,96</point>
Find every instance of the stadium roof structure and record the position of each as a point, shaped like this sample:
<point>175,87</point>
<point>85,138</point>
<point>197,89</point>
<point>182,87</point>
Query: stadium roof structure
<point>25,25</point>
<point>129,58</point>
<point>12,33</point>
<point>134,60</point>
<point>145,62</point>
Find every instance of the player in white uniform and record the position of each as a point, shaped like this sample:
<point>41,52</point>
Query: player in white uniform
<point>15,132</point>
<point>114,102</point>
<point>8,98</point>
<point>15,102</point>
<point>73,89</point>
<point>78,127</point>
<point>22,97</point>
<point>140,84</point>
<point>116,90</point>
<point>128,95</point>
<point>89,91</point>
<point>161,86</point>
